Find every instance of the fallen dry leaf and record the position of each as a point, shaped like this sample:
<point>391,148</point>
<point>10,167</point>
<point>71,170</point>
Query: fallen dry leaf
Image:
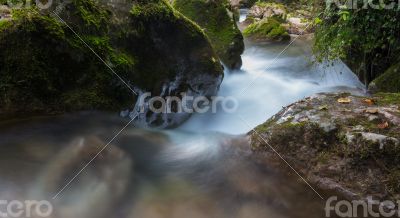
<point>344,100</point>
<point>383,125</point>
<point>369,101</point>
<point>323,107</point>
<point>372,110</point>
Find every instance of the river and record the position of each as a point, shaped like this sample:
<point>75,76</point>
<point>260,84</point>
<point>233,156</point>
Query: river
<point>194,171</point>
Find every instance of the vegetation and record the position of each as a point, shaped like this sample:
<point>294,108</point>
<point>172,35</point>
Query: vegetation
<point>184,48</point>
<point>45,67</point>
<point>367,39</point>
<point>388,98</point>
<point>269,28</point>
<point>353,141</point>
<point>219,25</point>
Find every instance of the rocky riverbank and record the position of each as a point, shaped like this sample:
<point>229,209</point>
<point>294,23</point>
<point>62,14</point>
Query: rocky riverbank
<point>275,21</point>
<point>345,144</point>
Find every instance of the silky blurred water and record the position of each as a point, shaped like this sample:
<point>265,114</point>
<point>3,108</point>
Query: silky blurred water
<point>202,169</point>
<point>267,83</point>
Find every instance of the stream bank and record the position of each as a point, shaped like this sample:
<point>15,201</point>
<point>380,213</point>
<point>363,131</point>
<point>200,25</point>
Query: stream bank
<point>342,144</point>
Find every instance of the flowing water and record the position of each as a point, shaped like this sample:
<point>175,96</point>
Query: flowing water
<point>201,169</point>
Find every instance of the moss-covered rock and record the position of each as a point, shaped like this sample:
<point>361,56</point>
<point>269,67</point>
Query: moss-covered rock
<point>262,10</point>
<point>46,67</point>
<point>338,142</point>
<point>220,26</point>
<point>291,15</point>
<point>389,81</point>
<point>267,29</point>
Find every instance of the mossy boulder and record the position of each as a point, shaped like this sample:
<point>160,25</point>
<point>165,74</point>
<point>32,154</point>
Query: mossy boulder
<point>220,26</point>
<point>292,15</point>
<point>269,29</point>
<point>389,81</point>
<point>262,10</point>
<point>340,143</point>
<point>46,67</point>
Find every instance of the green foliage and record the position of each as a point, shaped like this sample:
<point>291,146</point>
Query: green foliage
<point>367,39</point>
<point>269,28</point>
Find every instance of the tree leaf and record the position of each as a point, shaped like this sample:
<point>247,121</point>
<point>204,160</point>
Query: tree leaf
<point>369,101</point>
<point>344,100</point>
<point>372,110</point>
<point>384,125</point>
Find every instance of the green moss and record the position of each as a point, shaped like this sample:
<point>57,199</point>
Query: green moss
<point>153,10</point>
<point>4,24</point>
<point>265,126</point>
<point>389,81</point>
<point>389,155</point>
<point>384,99</point>
<point>220,27</point>
<point>181,40</point>
<point>271,4</point>
<point>289,136</point>
<point>53,70</point>
<point>91,13</point>
<point>324,157</point>
<point>53,63</point>
<point>270,29</point>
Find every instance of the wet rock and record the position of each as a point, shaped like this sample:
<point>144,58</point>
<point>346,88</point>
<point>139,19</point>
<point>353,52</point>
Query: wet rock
<point>339,148</point>
<point>378,138</point>
<point>5,13</point>
<point>290,17</point>
<point>268,29</point>
<point>298,26</point>
<point>151,46</point>
<point>388,81</point>
<point>267,10</point>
